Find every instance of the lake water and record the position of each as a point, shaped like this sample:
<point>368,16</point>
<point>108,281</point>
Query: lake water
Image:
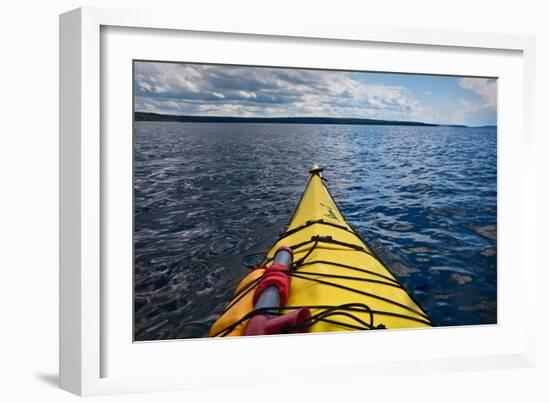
<point>210,195</point>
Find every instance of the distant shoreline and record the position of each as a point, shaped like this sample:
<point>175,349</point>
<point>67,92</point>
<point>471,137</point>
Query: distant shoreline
<point>157,117</point>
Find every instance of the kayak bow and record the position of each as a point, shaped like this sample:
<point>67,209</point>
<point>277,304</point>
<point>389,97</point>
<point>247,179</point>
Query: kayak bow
<point>336,282</point>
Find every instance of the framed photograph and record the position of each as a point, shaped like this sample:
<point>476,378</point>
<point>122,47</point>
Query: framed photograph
<point>342,199</point>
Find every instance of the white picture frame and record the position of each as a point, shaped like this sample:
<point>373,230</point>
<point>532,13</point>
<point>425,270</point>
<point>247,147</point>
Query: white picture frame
<point>85,342</point>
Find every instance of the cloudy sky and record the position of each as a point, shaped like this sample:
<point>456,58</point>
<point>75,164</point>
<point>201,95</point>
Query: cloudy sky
<point>215,90</point>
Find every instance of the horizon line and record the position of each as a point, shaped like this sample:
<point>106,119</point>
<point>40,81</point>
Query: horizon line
<point>274,118</point>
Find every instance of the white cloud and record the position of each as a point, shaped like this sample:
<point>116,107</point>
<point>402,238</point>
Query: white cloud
<point>485,88</point>
<point>253,91</point>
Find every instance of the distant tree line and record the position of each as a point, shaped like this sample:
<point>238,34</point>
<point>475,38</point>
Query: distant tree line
<point>157,117</point>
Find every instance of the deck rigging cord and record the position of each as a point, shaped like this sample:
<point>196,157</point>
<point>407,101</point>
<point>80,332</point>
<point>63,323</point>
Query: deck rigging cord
<point>330,310</point>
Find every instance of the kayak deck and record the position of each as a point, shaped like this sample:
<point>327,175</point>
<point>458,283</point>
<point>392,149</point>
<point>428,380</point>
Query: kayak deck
<point>335,275</point>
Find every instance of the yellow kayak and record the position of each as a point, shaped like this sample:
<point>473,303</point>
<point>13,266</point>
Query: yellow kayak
<point>331,281</point>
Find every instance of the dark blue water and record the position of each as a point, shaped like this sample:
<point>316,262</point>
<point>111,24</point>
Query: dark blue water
<point>209,194</point>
